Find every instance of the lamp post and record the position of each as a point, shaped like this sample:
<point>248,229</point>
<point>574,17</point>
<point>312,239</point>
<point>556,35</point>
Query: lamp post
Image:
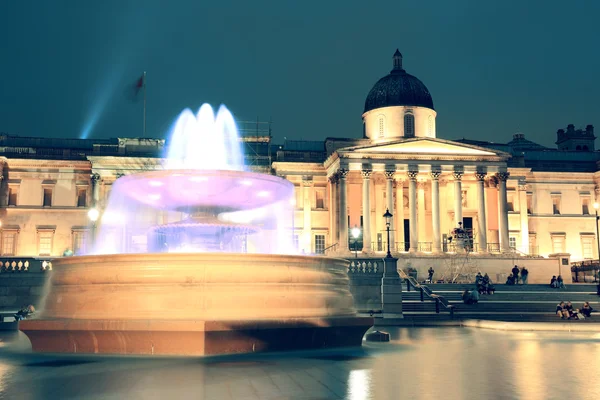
<point>388,220</point>
<point>93,215</point>
<point>355,234</point>
<point>596,206</point>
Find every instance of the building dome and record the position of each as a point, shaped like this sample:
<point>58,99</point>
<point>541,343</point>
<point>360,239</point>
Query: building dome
<point>398,89</point>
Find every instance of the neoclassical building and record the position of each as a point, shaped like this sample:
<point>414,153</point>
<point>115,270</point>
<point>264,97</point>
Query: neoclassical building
<point>516,198</point>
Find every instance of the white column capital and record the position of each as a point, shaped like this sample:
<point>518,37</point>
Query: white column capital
<point>412,175</point>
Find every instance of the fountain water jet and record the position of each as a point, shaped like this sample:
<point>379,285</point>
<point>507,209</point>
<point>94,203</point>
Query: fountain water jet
<point>196,259</point>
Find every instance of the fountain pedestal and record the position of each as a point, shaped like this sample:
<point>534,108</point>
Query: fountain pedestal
<point>196,304</point>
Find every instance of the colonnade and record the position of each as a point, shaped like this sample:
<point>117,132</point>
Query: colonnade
<point>412,174</point>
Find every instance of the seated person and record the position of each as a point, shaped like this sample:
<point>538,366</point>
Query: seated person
<point>586,310</point>
<point>475,296</point>
<point>560,310</point>
<point>569,309</point>
<point>466,297</point>
<point>560,283</point>
<point>24,312</point>
<point>553,282</point>
<point>510,280</point>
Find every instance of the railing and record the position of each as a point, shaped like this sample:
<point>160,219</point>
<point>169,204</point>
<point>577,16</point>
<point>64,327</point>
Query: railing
<point>493,247</point>
<point>25,264</point>
<point>425,291</point>
<point>330,249</point>
<point>425,247</point>
<point>367,267</point>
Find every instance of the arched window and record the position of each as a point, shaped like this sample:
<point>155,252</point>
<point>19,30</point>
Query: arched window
<point>409,125</point>
<point>585,148</point>
<point>578,148</point>
<point>381,126</point>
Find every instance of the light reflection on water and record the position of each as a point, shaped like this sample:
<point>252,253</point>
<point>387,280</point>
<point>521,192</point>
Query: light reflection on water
<point>452,363</point>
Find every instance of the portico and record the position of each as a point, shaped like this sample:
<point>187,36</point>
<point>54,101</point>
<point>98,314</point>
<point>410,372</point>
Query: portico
<point>431,186</point>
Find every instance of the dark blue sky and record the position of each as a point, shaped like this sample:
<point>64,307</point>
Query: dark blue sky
<point>493,68</point>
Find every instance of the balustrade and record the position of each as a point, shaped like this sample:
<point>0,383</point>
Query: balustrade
<point>25,264</point>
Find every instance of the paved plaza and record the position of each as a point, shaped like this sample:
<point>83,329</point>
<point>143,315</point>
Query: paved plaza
<point>451,363</point>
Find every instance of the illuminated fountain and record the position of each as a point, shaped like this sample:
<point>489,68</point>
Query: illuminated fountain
<point>196,258</point>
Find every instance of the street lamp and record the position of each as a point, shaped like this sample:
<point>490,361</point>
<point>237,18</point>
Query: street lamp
<point>596,206</point>
<point>388,220</point>
<point>93,215</point>
<point>355,234</point>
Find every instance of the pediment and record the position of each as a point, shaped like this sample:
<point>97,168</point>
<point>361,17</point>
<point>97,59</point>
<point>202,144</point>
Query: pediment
<point>425,146</point>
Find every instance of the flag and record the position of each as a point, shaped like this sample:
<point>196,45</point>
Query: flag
<point>134,90</point>
<point>139,84</point>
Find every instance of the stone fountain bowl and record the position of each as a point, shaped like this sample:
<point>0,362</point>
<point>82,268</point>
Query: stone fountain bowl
<point>196,303</point>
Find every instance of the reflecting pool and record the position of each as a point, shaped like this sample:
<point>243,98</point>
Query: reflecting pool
<point>419,363</point>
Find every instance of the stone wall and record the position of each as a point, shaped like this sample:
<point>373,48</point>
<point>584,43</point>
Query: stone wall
<point>22,288</point>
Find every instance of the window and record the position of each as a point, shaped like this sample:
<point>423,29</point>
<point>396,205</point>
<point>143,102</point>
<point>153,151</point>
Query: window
<point>529,203</point>
<point>533,249</point>
<point>81,197</point>
<point>512,242</point>
<point>585,205</point>
<point>409,125</point>
<point>320,198</point>
<point>13,193</point>
<point>45,239</point>
<point>558,243</point>
<point>319,244</point>
<point>47,197</point>
<point>510,202</point>
<point>381,126</point>
<point>587,246</point>
<point>9,242</point>
<point>296,242</point>
<point>556,204</point>
<point>79,240</point>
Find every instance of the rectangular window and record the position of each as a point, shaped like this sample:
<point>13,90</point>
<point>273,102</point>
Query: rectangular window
<point>81,197</point>
<point>319,198</point>
<point>45,239</point>
<point>296,242</point>
<point>556,204</point>
<point>510,204</point>
<point>587,246</point>
<point>585,205</point>
<point>9,243</point>
<point>79,242</point>
<point>47,197</point>
<point>12,196</point>
<point>529,203</point>
<point>512,242</point>
<point>319,244</point>
<point>558,243</point>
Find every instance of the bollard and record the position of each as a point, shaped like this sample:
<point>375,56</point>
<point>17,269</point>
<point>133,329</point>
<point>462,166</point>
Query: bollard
<point>437,305</point>
<point>421,294</point>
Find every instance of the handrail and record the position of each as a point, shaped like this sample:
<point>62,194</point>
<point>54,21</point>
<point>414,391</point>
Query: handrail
<point>410,281</point>
<point>329,247</point>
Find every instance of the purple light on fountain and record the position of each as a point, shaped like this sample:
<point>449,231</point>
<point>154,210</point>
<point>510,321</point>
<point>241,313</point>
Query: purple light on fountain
<point>202,200</point>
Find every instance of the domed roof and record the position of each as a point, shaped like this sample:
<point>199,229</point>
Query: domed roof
<point>398,89</point>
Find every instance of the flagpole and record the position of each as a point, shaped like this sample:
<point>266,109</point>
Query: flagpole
<point>144,82</point>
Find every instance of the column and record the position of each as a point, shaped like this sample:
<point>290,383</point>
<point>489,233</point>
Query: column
<point>399,214</point>
<point>389,196</point>
<point>481,217</point>
<point>307,183</point>
<point>524,216</point>
<point>458,218</point>
<point>333,230</point>
<point>435,211</point>
<point>502,211</point>
<point>412,205</point>
<point>343,233</point>
<point>95,178</point>
<point>421,217</point>
<point>366,207</point>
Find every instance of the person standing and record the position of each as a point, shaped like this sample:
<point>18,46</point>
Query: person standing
<point>515,272</point>
<point>430,271</point>
<point>524,275</point>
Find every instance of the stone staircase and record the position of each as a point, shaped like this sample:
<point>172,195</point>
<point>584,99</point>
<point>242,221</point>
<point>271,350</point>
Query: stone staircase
<point>509,303</point>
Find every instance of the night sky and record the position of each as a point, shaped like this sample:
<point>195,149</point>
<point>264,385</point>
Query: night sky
<point>493,68</point>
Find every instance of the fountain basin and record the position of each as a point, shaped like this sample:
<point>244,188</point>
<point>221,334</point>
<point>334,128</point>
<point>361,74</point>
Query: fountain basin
<point>196,304</point>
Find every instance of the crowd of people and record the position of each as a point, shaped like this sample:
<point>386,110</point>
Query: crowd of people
<point>517,276</point>
<point>566,311</point>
